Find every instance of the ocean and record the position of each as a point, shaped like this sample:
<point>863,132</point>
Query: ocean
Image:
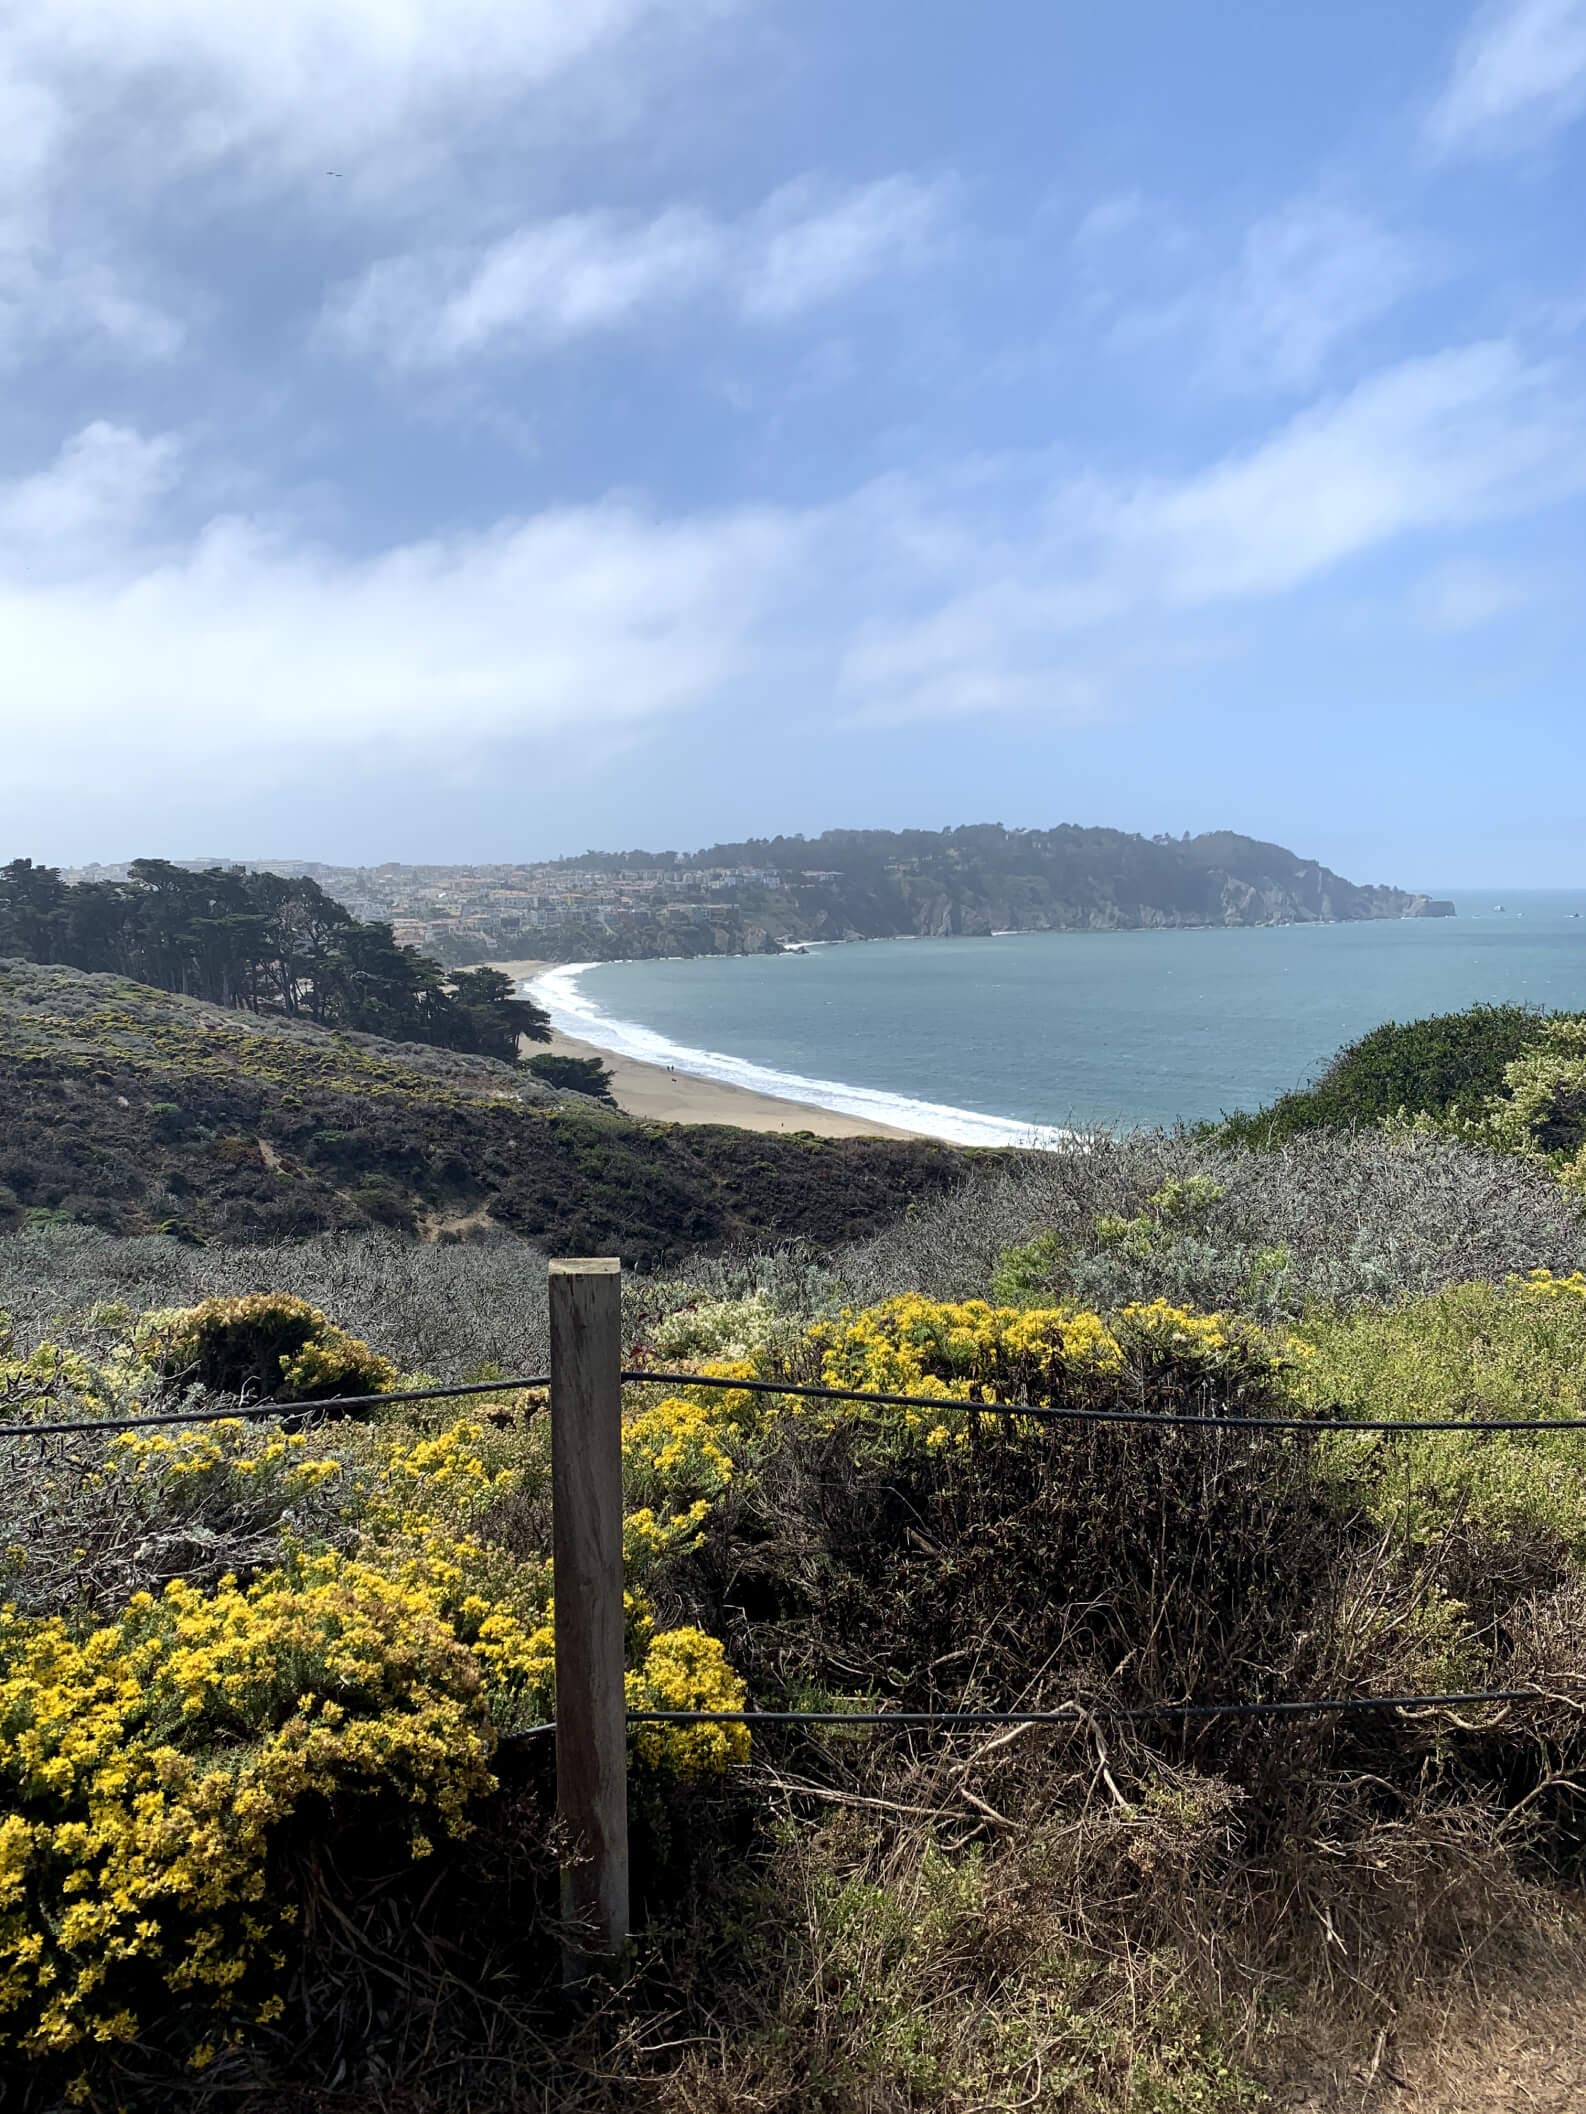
<point>1027,1036</point>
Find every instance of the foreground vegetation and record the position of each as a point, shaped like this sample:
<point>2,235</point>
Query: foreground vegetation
<point>273,1839</point>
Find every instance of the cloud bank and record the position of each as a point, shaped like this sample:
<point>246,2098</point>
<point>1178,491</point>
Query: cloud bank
<point>912,599</point>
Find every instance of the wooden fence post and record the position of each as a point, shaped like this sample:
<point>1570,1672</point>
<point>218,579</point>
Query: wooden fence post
<point>586,1537</point>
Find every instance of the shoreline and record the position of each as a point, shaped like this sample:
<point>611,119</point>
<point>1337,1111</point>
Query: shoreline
<point>653,1093</point>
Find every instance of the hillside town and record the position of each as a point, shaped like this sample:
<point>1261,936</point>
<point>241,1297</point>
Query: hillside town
<point>453,909</point>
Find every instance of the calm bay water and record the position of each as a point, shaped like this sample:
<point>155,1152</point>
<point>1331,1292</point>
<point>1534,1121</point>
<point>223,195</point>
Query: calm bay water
<point>983,1040</point>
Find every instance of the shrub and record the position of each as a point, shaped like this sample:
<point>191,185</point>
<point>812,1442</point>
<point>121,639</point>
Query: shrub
<point>151,1765</point>
<point>1439,1066</point>
<point>1516,1350</point>
<point>108,1519</point>
<point>572,1075</point>
<point>725,1328</point>
<point>1542,1107</point>
<point>1151,1354</point>
<point>267,1346</point>
<point>1333,1217</point>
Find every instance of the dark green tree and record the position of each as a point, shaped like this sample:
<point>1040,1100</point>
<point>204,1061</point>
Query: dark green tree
<point>263,942</point>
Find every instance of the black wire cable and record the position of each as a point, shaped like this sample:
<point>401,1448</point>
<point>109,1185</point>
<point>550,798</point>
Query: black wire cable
<point>1056,1414</point>
<point>1075,1713</point>
<point>271,1409</point>
<point>1078,1713</point>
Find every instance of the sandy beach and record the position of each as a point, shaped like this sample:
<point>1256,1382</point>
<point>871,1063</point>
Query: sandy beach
<point>652,1092</point>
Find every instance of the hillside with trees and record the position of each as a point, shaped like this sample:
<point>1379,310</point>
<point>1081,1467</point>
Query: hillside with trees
<point>261,943</point>
<point>968,882</point>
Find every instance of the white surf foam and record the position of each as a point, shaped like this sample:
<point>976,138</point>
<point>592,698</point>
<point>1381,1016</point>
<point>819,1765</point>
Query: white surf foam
<point>575,1013</point>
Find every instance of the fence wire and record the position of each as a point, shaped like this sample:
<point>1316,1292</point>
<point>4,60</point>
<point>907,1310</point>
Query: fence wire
<point>1086,1713</point>
<point>1068,1714</point>
<point>334,1405</point>
<point>1060,1413</point>
<point>1082,1713</point>
<point>1039,1412</point>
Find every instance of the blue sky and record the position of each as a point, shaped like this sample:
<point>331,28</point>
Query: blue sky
<point>447,429</point>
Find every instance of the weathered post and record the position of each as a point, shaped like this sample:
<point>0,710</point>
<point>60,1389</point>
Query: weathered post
<point>586,1537</point>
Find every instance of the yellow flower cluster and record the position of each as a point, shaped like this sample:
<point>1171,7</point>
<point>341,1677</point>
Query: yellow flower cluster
<point>675,1452</point>
<point>681,1454</point>
<point>52,1381</point>
<point>686,1670</point>
<point>443,1475</point>
<point>148,1763</point>
<point>966,1350</point>
<point>971,1351</point>
<point>230,1446</point>
<point>1544,1285</point>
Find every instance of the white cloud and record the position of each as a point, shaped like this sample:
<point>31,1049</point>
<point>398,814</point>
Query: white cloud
<point>54,295</point>
<point>30,127</point>
<point>92,501</point>
<point>1518,76</point>
<point>115,113</point>
<point>580,273</point>
<point>1457,437</point>
<point>1310,277</point>
<point>1307,279</point>
<point>120,640</point>
<point>302,79</point>
<point>1007,588</point>
<point>79,304</point>
<point>542,285</point>
<point>1105,571</point>
<point>806,248</point>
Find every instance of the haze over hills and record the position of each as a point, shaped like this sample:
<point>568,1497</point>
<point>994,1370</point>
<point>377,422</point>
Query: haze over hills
<point>758,894</point>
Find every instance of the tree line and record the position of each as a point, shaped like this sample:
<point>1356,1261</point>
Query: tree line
<point>264,943</point>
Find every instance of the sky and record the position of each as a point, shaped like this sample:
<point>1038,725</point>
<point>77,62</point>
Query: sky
<point>484,429</point>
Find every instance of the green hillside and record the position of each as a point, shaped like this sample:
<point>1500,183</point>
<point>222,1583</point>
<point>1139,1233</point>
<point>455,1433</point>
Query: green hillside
<point>136,1111</point>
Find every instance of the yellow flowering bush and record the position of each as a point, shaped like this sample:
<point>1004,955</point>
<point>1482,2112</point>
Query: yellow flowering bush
<point>1173,1350</point>
<point>972,1351</point>
<point>254,1457</point>
<point>684,1669</point>
<point>269,1345</point>
<point>448,1477</point>
<point>679,1455</point>
<point>677,1452</point>
<point>1543,1284</point>
<point>54,1382</point>
<point>150,1764</point>
<point>965,1349</point>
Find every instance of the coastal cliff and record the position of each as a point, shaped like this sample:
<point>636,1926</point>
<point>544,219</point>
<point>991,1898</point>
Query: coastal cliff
<point>970,882</point>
